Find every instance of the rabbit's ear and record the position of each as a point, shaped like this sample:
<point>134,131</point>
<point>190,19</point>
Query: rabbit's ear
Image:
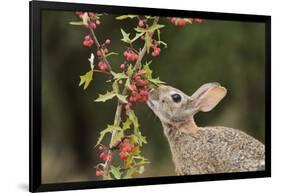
<point>208,96</point>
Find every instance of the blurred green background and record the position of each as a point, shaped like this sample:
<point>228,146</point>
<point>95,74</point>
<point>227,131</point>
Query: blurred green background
<point>231,53</point>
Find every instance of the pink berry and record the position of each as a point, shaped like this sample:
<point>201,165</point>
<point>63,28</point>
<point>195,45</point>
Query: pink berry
<point>123,156</point>
<point>101,148</point>
<point>141,23</point>
<point>105,50</point>
<point>99,173</point>
<point>107,41</point>
<point>122,66</point>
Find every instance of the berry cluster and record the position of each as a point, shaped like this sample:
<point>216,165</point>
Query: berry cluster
<point>183,21</point>
<point>138,88</point>
<point>104,155</point>
<point>102,64</point>
<point>126,149</point>
<point>141,24</point>
<point>156,50</point>
<point>93,20</point>
<point>130,55</point>
<point>88,41</point>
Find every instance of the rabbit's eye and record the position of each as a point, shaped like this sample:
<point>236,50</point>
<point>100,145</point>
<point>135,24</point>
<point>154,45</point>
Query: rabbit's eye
<point>176,98</point>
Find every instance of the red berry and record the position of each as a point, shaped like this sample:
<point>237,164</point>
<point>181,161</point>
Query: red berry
<point>109,157</point>
<point>99,53</point>
<point>143,93</point>
<point>125,53</point>
<point>122,66</point>
<point>101,148</point>
<point>173,20</point>
<point>181,22</point>
<point>141,23</point>
<point>142,83</point>
<point>198,20</point>
<point>91,14</point>
<point>102,156</point>
<point>88,43</point>
<point>123,155</point>
<point>99,173</point>
<point>107,41</point>
<point>87,37</point>
<point>102,66</point>
<point>105,50</point>
<point>92,25</point>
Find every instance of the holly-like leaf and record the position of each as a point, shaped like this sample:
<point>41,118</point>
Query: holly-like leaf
<point>148,42</point>
<point>117,137</point>
<point>126,124</point>
<point>134,119</point>
<point>85,18</point>
<point>139,29</point>
<point>155,27</point>
<point>109,129</point>
<point>118,76</point>
<point>121,17</point>
<point>138,138</point>
<point>130,70</point>
<point>126,37</point>
<point>115,87</point>
<point>86,79</point>
<point>156,81</point>
<point>148,71</point>
<point>140,169</point>
<point>76,23</point>
<point>115,171</point>
<point>189,20</point>
<point>122,98</point>
<point>105,97</point>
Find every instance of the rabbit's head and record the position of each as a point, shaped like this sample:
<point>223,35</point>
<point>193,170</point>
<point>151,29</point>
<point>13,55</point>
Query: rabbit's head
<point>174,107</point>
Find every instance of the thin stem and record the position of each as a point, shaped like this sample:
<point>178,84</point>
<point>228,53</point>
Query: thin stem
<point>99,46</point>
<point>118,112</point>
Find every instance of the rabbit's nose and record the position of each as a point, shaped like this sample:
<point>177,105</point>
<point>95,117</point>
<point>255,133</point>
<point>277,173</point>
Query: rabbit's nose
<point>153,94</point>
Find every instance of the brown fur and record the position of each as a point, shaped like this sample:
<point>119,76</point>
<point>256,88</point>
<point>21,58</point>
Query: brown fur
<point>197,150</point>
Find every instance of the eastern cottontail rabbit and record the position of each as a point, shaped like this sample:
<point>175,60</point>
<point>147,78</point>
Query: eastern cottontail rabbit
<point>203,150</point>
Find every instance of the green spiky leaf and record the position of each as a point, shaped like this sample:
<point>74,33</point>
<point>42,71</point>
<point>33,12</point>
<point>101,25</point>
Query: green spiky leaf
<point>130,70</point>
<point>121,17</point>
<point>126,37</point>
<point>105,97</point>
<point>86,79</point>
<point>118,76</point>
<point>156,81</point>
<point>109,129</point>
<point>139,29</point>
<point>126,124</point>
<point>76,23</point>
<point>115,171</point>
<point>148,71</point>
<point>155,27</point>
<point>148,42</point>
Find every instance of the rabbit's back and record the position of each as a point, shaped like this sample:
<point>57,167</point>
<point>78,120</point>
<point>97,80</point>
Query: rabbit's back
<point>215,150</point>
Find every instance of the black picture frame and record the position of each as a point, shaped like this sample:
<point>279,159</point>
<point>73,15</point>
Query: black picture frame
<point>36,8</point>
